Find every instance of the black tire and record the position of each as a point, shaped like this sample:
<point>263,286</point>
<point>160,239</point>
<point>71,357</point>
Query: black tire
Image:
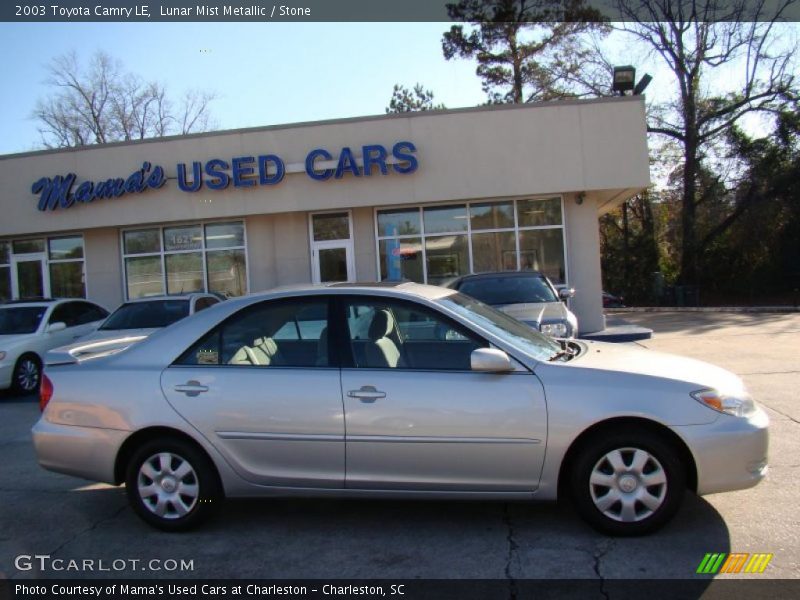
<point>627,514</point>
<point>180,511</point>
<point>27,376</point>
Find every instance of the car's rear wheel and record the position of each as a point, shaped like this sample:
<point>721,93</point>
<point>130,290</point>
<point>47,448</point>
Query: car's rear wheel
<point>172,484</point>
<point>27,375</point>
<point>628,483</point>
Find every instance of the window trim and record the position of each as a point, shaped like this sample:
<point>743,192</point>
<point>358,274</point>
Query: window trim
<point>516,229</point>
<point>162,253</point>
<point>346,348</point>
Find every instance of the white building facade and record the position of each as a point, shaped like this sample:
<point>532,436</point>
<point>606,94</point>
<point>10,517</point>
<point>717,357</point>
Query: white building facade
<point>420,196</point>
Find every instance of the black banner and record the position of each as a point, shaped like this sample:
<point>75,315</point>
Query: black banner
<point>370,10</point>
<point>401,589</point>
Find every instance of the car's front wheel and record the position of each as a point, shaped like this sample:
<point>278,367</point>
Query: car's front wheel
<point>27,375</point>
<point>628,483</point>
<point>172,485</point>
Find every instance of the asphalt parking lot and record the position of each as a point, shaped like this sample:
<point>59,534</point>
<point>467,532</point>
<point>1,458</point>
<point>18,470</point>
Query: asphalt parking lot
<point>48,514</point>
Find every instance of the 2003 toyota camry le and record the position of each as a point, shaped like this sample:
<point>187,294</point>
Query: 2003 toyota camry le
<point>395,390</point>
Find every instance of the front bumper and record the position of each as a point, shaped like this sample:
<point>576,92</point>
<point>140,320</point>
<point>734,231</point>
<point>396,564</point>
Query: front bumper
<point>730,453</point>
<point>6,373</point>
<point>87,452</point>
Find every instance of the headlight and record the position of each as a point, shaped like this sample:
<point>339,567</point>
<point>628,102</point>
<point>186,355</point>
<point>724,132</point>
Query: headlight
<point>557,330</point>
<point>2,355</point>
<point>738,406</point>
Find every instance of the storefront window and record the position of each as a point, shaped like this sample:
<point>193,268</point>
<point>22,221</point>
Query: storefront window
<point>401,259</point>
<point>227,272</point>
<point>445,219</point>
<point>446,257</point>
<point>543,250</point>
<point>28,246</point>
<point>434,243</point>
<point>331,226</point>
<point>5,283</point>
<point>189,261</point>
<point>184,272</point>
<point>142,241</point>
<point>66,279</point>
<point>65,248</point>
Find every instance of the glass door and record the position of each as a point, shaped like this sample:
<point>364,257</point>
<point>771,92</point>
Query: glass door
<point>29,278</point>
<point>331,247</point>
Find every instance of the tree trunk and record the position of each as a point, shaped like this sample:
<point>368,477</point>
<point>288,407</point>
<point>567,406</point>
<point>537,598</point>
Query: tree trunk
<point>689,274</point>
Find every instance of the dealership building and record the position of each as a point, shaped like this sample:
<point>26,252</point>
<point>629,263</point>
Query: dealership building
<point>422,196</point>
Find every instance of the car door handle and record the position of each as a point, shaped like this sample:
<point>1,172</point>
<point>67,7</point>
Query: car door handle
<point>191,388</point>
<point>367,393</point>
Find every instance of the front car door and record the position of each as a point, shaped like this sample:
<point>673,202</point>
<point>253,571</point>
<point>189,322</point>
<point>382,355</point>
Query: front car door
<point>418,418</point>
<point>262,387</point>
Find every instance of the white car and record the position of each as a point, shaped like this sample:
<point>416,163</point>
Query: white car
<point>28,329</point>
<point>136,319</point>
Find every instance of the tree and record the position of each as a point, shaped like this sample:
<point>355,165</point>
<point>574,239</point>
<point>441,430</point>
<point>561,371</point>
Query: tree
<point>103,103</point>
<point>406,100</point>
<point>693,37</point>
<point>530,50</point>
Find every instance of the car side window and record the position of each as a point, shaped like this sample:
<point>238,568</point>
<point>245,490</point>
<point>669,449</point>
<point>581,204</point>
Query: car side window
<point>86,312</point>
<point>270,334</point>
<point>203,303</point>
<point>64,313</point>
<point>400,335</point>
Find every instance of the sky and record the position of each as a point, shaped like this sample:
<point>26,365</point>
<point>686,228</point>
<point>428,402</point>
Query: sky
<point>262,73</point>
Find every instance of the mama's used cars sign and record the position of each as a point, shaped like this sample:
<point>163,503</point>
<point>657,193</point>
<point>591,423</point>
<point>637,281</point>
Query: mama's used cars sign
<point>60,191</point>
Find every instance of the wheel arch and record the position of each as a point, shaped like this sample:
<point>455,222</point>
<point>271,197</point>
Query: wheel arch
<point>623,423</point>
<point>136,440</point>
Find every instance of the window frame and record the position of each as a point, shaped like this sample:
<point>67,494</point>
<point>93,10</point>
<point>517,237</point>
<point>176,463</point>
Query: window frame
<point>469,231</point>
<point>45,256</point>
<point>162,253</point>
<point>333,348</point>
<point>346,349</point>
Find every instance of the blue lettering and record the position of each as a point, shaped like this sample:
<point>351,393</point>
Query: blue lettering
<point>241,172</point>
<point>157,178</point>
<point>311,170</point>
<point>54,192</point>
<point>117,187</point>
<point>401,152</point>
<point>215,168</point>
<point>347,162</point>
<point>84,192</point>
<point>370,158</point>
<point>263,164</point>
<point>197,182</point>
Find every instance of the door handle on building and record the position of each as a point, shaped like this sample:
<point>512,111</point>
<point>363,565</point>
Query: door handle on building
<point>191,388</point>
<point>367,393</point>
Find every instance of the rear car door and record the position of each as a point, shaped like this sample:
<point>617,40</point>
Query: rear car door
<point>263,388</point>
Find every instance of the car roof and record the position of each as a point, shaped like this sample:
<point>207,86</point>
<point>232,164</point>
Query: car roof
<point>496,275</point>
<point>188,296</point>
<point>41,301</point>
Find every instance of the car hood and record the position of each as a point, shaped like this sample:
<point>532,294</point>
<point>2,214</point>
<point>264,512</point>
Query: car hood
<point>99,343</point>
<point>109,334</point>
<point>531,311</point>
<point>634,360</point>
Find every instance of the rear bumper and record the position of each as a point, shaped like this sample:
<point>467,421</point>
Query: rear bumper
<point>730,453</point>
<point>86,452</point>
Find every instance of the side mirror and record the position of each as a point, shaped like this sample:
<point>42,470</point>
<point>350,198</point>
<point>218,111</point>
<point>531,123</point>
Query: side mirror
<point>57,326</point>
<point>566,293</point>
<point>490,360</point>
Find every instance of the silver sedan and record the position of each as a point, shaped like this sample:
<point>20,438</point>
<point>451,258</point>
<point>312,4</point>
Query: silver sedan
<point>395,390</point>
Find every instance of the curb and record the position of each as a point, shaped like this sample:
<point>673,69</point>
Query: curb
<point>704,309</point>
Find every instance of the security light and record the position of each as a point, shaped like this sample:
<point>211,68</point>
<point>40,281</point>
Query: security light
<point>624,78</point>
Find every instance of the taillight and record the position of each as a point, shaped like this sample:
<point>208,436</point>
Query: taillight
<point>45,392</point>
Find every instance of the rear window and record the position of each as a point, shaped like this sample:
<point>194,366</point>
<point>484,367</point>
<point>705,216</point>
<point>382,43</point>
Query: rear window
<point>147,315</point>
<point>509,290</point>
<point>22,319</point>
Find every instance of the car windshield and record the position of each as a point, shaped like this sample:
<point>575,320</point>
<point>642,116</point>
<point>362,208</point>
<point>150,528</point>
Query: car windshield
<point>509,290</point>
<point>515,333</point>
<point>20,319</point>
<point>147,315</point>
